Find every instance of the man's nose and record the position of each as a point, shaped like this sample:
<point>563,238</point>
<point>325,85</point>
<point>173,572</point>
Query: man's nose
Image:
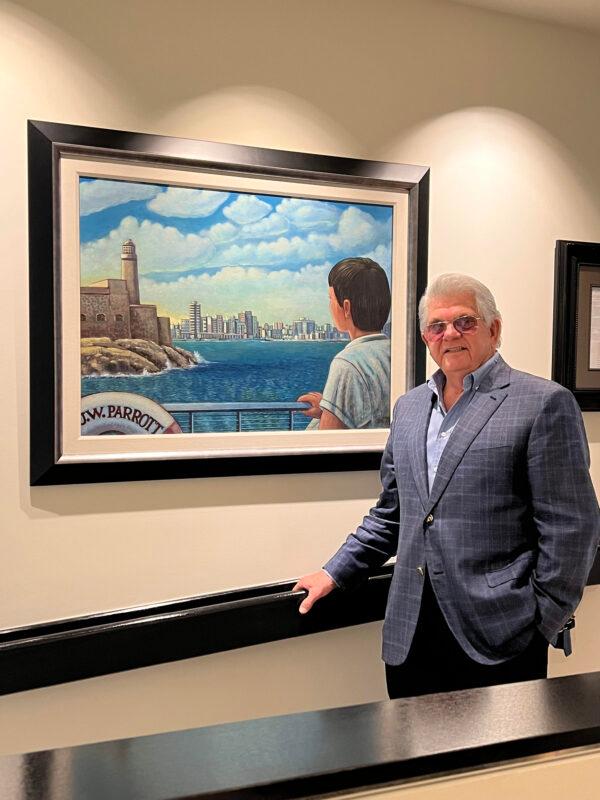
<point>451,332</point>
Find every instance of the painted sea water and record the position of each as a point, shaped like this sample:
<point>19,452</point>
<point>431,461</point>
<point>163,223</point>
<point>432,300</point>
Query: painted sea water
<point>238,371</point>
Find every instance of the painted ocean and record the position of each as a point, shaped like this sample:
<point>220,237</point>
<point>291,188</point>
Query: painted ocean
<point>234,371</point>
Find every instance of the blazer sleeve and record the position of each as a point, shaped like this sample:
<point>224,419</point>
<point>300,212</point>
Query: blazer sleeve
<point>565,510</point>
<point>376,539</point>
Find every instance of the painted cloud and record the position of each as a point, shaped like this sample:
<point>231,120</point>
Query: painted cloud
<point>96,195</point>
<point>182,202</point>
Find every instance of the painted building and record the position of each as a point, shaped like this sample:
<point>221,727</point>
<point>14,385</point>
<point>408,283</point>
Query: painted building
<point>112,307</point>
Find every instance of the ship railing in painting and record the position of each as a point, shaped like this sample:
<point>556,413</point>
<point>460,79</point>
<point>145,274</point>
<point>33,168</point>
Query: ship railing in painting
<point>188,415</point>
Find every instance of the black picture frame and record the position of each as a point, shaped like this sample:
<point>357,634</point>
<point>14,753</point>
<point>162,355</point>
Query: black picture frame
<point>576,274</point>
<point>48,143</point>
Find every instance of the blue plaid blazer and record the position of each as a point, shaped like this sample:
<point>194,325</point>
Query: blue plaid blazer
<point>509,530</point>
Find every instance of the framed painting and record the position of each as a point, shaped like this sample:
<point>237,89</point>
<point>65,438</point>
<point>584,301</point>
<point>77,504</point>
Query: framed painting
<point>576,346</point>
<point>203,309</point>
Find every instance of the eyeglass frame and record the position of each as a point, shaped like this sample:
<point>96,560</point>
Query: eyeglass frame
<point>452,322</point>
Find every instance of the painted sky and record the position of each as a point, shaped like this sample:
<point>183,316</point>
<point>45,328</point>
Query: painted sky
<point>228,250</point>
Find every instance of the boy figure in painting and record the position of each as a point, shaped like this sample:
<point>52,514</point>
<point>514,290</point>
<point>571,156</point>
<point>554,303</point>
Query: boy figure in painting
<point>357,391</point>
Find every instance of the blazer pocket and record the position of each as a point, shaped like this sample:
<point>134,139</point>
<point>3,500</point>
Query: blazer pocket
<point>513,571</point>
<point>482,446</point>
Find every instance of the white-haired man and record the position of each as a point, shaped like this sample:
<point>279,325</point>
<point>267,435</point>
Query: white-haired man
<point>486,503</point>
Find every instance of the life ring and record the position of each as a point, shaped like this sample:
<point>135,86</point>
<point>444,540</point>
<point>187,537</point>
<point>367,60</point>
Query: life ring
<point>124,413</point>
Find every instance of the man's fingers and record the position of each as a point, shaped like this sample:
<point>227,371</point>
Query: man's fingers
<point>306,604</point>
<point>310,598</point>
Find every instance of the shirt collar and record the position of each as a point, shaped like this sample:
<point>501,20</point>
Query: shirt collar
<point>470,381</point>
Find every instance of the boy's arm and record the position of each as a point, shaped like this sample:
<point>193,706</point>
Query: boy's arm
<point>329,422</point>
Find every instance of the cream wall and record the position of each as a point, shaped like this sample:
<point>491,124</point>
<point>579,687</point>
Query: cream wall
<point>504,110</point>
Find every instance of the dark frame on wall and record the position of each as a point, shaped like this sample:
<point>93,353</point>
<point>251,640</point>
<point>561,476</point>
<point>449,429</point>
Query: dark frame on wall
<point>48,144</point>
<point>576,339</point>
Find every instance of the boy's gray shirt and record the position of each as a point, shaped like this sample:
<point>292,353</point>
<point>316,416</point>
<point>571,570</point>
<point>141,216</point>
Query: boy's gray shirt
<point>509,531</point>
<point>357,390</point>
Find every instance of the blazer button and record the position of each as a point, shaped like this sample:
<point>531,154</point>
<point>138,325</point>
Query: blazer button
<point>429,519</point>
<point>421,571</point>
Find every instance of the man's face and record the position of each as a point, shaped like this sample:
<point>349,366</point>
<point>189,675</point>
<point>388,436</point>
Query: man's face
<point>458,354</point>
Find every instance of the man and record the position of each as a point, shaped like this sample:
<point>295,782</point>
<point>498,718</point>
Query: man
<point>357,391</point>
<point>487,503</point>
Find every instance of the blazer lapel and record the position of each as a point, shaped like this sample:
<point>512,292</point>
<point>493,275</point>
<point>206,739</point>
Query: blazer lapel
<point>486,401</point>
<point>418,449</point>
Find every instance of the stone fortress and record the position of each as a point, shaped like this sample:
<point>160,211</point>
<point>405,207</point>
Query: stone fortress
<point>112,307</point>
<point>120,335</point>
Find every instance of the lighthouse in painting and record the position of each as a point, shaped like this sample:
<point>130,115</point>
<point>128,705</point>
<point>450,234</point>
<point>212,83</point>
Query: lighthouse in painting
<point>129,271</point>
<point>112,307</point>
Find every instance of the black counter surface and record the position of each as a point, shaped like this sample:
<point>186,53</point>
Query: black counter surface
<point>320,752</point>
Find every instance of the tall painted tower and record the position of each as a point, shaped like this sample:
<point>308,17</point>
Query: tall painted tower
<point>195,320</point>
<point>129,271</point>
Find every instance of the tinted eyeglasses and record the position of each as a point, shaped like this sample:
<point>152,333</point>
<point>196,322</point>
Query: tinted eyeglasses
<point>464,324</point>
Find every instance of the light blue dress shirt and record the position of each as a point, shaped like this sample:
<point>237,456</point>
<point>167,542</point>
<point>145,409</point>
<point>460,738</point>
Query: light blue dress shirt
<point>442,422</point>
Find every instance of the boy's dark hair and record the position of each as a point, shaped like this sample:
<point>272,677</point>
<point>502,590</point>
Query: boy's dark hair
<point>365,284</point>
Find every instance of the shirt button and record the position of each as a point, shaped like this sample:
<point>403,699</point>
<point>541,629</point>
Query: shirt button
<point>429,519</point>
<point>421,571</point>
<point>443,434</point>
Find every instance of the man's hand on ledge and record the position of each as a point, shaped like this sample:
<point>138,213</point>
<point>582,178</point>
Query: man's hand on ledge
<point>317,584</point>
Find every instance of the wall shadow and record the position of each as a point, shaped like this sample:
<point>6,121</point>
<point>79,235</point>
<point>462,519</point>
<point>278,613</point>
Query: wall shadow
<point>203,493</point>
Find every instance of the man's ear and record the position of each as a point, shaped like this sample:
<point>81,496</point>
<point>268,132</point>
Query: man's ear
<point>347,306</point>
<point>495,329</point>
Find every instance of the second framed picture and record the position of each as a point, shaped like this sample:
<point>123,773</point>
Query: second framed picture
<point>576,352</point>
<point>206,309</point>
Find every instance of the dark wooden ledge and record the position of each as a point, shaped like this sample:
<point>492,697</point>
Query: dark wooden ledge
<point>320,752</point>
<point>99,644</point>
